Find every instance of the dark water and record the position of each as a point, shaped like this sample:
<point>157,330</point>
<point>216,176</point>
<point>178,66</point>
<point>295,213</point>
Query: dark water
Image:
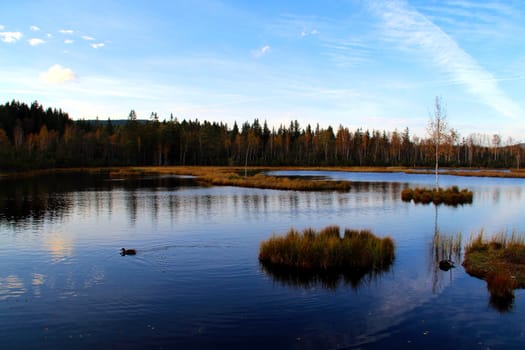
<point>196,282</point>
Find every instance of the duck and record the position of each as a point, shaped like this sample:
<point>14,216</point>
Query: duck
<point>446,265</point>
<point>125,251</point>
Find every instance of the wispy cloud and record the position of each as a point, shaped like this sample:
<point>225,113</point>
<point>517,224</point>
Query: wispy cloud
<point>98,45</point>
<point>261,51</point>
<point>66,31</point>
<point>10,37</point>
<point>403,24</point>
<point>346,53</point>
<point>56,74</point>
<point>34,28</point>
<point>69,41</point>
<point>35,41</point>
<point>88,38</point>
<point>1,27</point>
<point>311,32</point>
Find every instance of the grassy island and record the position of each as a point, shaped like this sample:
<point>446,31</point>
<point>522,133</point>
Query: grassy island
<point>240,177</point>
<point>500,261</point>
<point>449,196</point>
<point>326,250</point>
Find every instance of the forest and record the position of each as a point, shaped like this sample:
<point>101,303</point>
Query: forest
<point>32,137</point>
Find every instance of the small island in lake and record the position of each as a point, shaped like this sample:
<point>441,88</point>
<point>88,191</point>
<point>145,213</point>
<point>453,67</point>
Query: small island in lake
<point>326,250</point>
<point>500,261</point>
<point>448,196</point>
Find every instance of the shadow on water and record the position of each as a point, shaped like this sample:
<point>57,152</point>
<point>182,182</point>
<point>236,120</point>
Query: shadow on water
<point>331,279</point>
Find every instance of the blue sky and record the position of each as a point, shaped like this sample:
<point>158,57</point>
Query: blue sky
<point>369,64</point>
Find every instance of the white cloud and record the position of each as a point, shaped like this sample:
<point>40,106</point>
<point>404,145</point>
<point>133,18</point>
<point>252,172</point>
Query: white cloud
<point>10,37</point>
<point>69,41</point>
<point>311,32</point>
<point>49,35</point>
<point>1,27</point>
<point>88,38</point>
<point>34,28</point>
<point>56,74</point>
<point>66,31</point>
<point>97,45</point>
<point>403,24</point>
<point>35,42</point>
<point>261,51</point>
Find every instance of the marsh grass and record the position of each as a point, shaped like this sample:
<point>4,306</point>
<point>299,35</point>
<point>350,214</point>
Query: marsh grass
<point>445,247</point>
<point>448,196</point>
<point>500,261</point>
<point>327,251</point>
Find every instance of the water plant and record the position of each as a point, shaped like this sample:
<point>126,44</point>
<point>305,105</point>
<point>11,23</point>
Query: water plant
<point>446,247</point>
<point>326,250</point>
<point>500,261</point>
<point>448,196</point>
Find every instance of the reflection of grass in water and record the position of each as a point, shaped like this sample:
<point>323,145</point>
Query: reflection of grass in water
<point>500,261</point>
<point>325,257</point>
<point>446,247</point>
<point>331,279</point>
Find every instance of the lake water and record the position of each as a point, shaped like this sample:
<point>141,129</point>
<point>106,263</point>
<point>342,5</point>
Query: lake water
<point>196,282</point>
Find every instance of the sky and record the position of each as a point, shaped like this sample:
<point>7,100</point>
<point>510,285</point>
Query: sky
<point>376,65</point>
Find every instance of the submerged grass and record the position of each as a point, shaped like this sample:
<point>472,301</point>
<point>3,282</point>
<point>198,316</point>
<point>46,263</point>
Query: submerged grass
<point>500,261</point>
<point>326,250</point>
<point>448,196</point>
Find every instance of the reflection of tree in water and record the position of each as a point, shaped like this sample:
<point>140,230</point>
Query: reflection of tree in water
<point>443,248</point>
<point>45,197</point>
<point>331,279</point>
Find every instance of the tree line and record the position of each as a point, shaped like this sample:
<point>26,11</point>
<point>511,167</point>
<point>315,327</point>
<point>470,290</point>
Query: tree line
<point>33,137</point>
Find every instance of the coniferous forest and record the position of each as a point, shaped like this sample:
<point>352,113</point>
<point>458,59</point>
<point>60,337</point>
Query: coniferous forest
<point>33,137</point>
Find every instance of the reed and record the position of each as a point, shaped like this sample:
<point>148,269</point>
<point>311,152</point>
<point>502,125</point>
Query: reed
<point>448,196</point>
<point>326,250</point>
<point>446,247</point>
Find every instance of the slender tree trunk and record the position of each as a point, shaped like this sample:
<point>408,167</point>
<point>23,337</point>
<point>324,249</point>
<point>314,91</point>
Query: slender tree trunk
<point>437,165</point>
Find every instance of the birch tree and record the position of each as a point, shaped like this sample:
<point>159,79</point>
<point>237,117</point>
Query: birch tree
<point>438,131</point>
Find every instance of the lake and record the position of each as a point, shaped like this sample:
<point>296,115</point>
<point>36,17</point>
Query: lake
<point>196,281</point>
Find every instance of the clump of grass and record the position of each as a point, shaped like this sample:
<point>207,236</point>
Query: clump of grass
<point>326,250</point>
<point>500,261</point>
<point>448,196</point>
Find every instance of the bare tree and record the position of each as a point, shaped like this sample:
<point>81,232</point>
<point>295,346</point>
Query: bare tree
<point>438,131</point>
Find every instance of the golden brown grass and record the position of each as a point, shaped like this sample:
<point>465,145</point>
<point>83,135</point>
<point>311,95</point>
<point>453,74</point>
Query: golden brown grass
<point>500,261</point>
<point>449,196</point>
<point>327,250</point>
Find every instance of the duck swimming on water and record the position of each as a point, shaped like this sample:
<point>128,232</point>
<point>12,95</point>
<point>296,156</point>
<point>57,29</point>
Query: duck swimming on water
<point>125,251</point>
<point>446,265</point>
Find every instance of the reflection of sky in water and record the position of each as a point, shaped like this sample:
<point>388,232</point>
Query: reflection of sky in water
<point>59,245</point>
<point>198,257</point>
<point>11,287</point>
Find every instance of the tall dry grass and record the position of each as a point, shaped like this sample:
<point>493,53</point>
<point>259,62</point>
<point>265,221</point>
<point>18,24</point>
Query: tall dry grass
<point>327,250</point>
<point>500,261</point>
<point>445,247</point>
<point>449,196</point>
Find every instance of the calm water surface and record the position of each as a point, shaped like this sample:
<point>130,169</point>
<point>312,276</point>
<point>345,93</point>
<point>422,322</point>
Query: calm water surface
<point>196,282</point>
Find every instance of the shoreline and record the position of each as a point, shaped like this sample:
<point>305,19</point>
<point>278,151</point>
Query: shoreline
<point>195,170</point>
